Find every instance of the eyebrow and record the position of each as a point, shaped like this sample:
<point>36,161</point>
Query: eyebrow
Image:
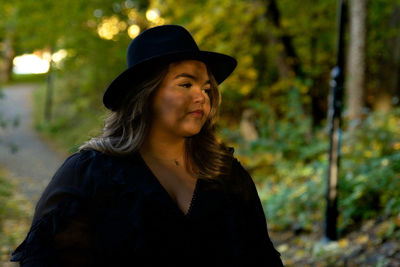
<point>190,76</point>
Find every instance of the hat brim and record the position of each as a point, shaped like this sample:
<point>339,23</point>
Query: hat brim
<point>220,65</point>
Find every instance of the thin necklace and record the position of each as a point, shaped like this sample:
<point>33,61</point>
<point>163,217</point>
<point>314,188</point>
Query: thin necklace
<point>168,160</point>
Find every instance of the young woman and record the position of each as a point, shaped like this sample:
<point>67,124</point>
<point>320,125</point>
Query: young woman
<point>156,188</point>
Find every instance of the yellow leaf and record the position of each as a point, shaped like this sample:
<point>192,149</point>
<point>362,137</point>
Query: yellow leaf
<point>362,239</point>
<point>397,220</point>
<point>396,146</point>
<point>343,243</point>
<point>368,153</point>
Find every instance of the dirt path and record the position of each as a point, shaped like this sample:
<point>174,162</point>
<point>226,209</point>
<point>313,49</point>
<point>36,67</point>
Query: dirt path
<point>34,162</point>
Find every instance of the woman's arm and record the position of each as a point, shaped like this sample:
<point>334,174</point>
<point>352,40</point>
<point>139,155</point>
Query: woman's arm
<point>59,235</point>
<point>259,249</point>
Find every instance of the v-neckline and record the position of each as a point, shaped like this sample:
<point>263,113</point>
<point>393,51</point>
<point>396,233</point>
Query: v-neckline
<point>164,191</point>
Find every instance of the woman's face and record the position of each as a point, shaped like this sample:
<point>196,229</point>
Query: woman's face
<point>181,104</point>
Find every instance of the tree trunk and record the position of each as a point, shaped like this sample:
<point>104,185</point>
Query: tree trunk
<point>388,91</point>
<point>247,128</point>
<point>395,43</point>
<point>288,63</point>
<point>287,60</point>
<point>6,64</point>
<point>281,61</point>
<point>356,61</point>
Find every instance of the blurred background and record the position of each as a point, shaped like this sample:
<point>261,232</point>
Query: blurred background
<point>57,58</point>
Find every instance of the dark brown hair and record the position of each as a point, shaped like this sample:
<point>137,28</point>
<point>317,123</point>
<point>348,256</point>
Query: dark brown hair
<point>126,128</point>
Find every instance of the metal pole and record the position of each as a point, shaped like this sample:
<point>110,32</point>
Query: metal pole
<point>335,124</point>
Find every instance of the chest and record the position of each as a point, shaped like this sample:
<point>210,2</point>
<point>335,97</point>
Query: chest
<point>151,221</point>
<point>177,182</point>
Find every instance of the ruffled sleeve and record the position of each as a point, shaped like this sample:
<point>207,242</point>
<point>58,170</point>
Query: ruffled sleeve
<point>256,248</point>
<point>59,235</point>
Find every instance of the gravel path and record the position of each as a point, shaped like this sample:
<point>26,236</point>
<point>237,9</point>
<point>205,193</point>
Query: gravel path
<point>34,162</point>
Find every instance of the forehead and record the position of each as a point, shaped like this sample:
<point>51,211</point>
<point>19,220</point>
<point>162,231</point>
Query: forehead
<point>193,67</point>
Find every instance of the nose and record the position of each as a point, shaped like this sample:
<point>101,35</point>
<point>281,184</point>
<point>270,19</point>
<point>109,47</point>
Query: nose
<point>198,95</point>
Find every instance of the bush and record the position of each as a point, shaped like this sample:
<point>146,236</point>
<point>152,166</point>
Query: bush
<point>370,173</point>
<point>289,165</point>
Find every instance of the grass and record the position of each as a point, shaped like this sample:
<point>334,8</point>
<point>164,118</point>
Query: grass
<point>15,216</point>
<point>63,133</point>
<point>27,78</point>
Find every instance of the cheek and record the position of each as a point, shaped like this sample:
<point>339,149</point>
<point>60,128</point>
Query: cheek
<point>170,103</point>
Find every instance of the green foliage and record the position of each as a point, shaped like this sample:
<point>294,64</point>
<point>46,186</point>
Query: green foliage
<point>288,162</point>
<point>5,193</point>
<point>90,65</point>
<point>28,78</point>
<point>70,126</point>
<point>371,169</point>
<point>14,217</point>
<point>290,166</point>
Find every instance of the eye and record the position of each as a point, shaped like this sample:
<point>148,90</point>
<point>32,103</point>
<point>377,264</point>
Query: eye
<point>206,90</point>
<point>186,85</point>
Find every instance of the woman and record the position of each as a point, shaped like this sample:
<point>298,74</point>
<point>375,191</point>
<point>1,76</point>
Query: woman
<point>156,188</point>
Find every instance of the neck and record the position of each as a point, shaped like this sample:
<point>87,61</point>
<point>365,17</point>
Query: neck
<point>163,148</point>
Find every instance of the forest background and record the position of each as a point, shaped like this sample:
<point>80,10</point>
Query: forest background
<point>275,105</point>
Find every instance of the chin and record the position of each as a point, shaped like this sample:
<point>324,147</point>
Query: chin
<point>191,132</point>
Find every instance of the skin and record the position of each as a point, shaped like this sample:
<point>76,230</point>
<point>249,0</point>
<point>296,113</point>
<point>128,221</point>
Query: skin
<point>181,106</point>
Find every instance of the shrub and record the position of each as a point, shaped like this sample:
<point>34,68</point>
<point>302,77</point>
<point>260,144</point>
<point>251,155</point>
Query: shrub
<point>370,173</point>
<point>289,165</point>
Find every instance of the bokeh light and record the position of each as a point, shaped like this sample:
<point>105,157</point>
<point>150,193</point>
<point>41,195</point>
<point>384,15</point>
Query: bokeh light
<point>132,14</point>
<point>59,55</point>
<point>133,31</point>
<point>122,25</point>
<point>129,4</point>
<point>153,16</point>
<point>109,27</point>
<point>98,13</point>
<point>30,64</point>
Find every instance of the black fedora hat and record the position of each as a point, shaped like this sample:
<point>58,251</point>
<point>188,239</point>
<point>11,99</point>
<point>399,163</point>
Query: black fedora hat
<point>167,43</point>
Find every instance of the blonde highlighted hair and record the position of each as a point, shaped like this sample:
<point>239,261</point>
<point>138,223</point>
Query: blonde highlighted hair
<point>126,128</point>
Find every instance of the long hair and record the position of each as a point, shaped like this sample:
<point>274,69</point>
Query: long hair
<point>126,128</point>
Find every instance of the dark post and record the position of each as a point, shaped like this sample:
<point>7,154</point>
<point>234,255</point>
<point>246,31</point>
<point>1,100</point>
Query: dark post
<point>335,124</point>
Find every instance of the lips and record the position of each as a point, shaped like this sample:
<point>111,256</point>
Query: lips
<point>197,113</point>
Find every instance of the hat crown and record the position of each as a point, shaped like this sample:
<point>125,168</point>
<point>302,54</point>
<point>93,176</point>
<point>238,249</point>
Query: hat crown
<point>158,41</point>
<point>162,45</point>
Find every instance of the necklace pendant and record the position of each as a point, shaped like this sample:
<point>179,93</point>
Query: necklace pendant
<point>176,162</point>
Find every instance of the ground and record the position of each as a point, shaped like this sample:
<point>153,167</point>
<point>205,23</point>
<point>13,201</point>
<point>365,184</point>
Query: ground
<point>25,156</point>
<point>25,160</point>
<point>373,243</point>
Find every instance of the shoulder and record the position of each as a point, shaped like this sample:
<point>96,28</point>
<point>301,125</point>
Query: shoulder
<point>101,167</point>
<point>81,176</point>
<point>79,159</point>
<point>239,172</point>
<point>86,168</point>
<point>240,181</point>
<point>78,163</point>
<point>92,161</point>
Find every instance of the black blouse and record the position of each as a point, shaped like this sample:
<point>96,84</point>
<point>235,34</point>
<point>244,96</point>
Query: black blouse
<point>100,210</point>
